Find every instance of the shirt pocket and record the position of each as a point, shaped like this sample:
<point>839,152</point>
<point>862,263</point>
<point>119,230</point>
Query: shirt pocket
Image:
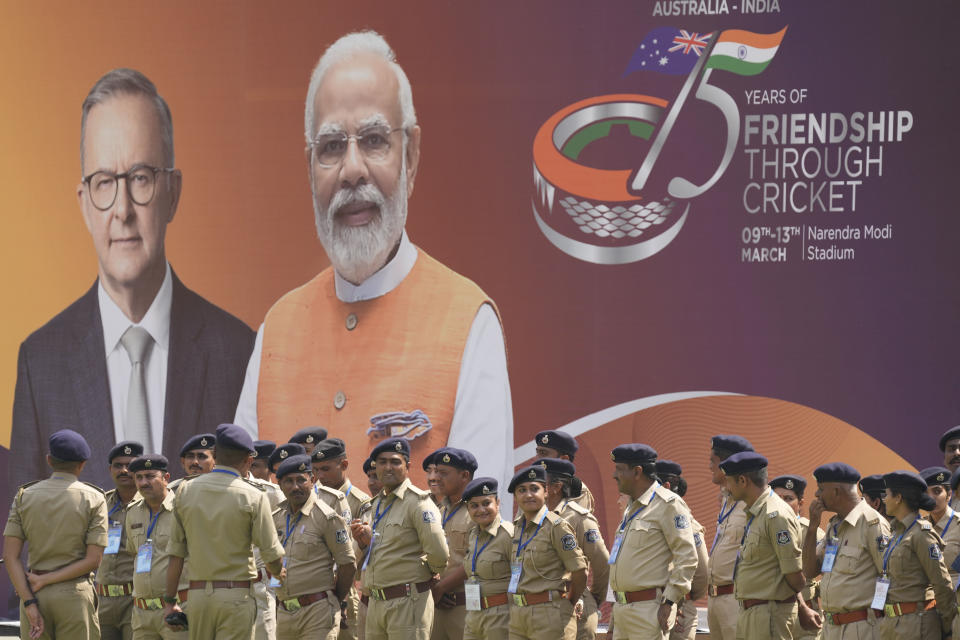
<point>902,562</point>
<point>492,565</point>
<point>848,559</point>
<point>753,546</point>
<point>305,545</point>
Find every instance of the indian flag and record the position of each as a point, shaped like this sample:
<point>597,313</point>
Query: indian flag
<point>744,52</point>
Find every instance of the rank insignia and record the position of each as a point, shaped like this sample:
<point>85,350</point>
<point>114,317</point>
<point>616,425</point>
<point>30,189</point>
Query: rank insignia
<point>935,552</point>
<point>342,536</point>
<point>569,542</point>
<point>680,521</point>
<point>428,516</point>
<point>783,537</point>
<point>592,535</point>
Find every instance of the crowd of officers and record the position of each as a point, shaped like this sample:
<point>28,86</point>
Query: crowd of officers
<point>228,553</point>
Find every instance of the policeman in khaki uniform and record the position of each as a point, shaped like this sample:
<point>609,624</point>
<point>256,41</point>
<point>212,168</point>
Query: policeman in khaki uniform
<point>562,488</point>
<point>850,558</point>
<point>260,469</point>
<point>768,575</point>
<point>670,474</point>
<point>64,523</point>
<point>557,444</point>
<point>943,517</point>
<point>487,564</point>
<point>913,563</point>
<point>266,624</point>
<point>722,607</point>
<point>405,547</point>
<point>654,555</point>
<point>319,557</point>
<point>147,532</point>
<point>114,580</point>
<point>219,518</point>
<point>330,465</point>
<point>874,491</point>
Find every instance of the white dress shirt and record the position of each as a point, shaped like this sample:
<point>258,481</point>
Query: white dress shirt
<point>483,410</point>
<point>157,323</point>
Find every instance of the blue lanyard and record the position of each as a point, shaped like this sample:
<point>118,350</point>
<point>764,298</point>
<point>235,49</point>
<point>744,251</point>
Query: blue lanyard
<point>521,545</point>
<point>115,507</point>
<point>886,556</point>
<point>953,515</point>
<point>722,517</point>
<point>286,535</point>
<point>153,522</point>
<point>227,471</point>
<point>349,489</point>
<point>473,566</point>
<point>379,516</point>
<point>446,519</point>
<point>626,521</point>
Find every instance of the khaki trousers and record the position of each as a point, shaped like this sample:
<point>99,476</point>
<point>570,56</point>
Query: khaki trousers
<point>405,618</point>
<point>862,630</point>
<point>448,623</point>
<point>638,620</point>
<point>317,621</point>
<point>772,620</point>
<point>69,612</point>
<point>266,624</point>
<point>115,613</point>
<point>221,614</point>
<point>722,614</point>
<point>548,621</point>
<point>915,626</point>
<point>352,630</point>
<point>686,626</point>
<point>587,622</point>
<point>489,624</point>
<point>149,625</point>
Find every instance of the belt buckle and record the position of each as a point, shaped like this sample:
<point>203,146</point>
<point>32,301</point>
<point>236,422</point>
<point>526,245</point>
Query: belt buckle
<point>377,594</point>
<point>621,597</point>
<point>114,590</point>
<point>889,610</point>
<point>293,604</point>
<point>712,590</point>
<point>519,600</point>
<point>153,603</point>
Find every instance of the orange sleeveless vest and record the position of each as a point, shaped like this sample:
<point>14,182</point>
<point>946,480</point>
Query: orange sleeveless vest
<point>335,364</point>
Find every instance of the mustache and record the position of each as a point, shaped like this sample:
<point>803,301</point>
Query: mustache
<point>347,195</point>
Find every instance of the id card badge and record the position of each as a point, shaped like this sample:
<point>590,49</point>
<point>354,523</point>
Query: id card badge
<point>516,568</point>
<point>615,551</point>
<point>274,582</point>
<point>145,557</point>
<point>829,557</point>
<point>113,538</point>
<point>471,587</point>
<point>880,593</point>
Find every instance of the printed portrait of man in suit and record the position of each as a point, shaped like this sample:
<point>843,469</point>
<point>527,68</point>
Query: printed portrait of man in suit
<point>138,356</point>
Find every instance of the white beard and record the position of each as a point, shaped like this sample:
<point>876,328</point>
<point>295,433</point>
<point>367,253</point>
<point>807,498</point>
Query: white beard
<point>357,253</point>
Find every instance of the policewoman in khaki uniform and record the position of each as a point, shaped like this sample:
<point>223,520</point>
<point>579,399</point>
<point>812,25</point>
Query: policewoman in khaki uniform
<point>147,532</point>
<point>654,555</point>
<point>64,523</point>
<point>114,580</point>
<point>563,487</point>
<point>487,564</point>
<point>319,557</point>
<point>220,517</point>
<point>913,564</point>
<point>722,607</point>
<point>850,559</point>
<point>405,548</point>
<point>557,444</point>
<point>768,574</point>
<point>544,558</point>
<point>943,517</point>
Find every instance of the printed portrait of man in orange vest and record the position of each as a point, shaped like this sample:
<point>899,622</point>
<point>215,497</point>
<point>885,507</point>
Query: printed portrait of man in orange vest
<point>386,342</point>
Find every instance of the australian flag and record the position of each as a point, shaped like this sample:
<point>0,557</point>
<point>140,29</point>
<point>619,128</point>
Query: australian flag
<point>669,50</point>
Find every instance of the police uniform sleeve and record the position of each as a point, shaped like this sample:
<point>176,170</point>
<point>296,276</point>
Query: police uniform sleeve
<point>877,534</point>
<point>678,534</point>
<point>178,537</point>
<point>928,547</point>
<point>14,527</point>
<point>97,521</point>
<point>698,585</point>
<point>785,533</point>
<point>337,536</point>
<point>565,543</point>
<point>596,552</point>
<point>264,532</point>
<point>426,520</point>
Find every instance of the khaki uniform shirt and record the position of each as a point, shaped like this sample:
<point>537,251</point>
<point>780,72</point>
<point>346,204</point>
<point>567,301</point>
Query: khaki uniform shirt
<point>117,568</point>
<point>810,590</point>
<point>58,517</point>
<point>219,518</point>
<point>951,541</point>
<point>356,498</point>
<point>274,497</point>
<point>154,583</point>
<point>585,499</point>
<point>916,568</point>
<point>315,540</point>
<point>587,531</point>
<point>772,548</point>
<point>410,546</point>
<point>861,539</point>
<point>658,549</point>
<point>698,585</point>
<point>551,555</point>
<point>493,562</point>
<point>456,523</point>
<point>731,521</point>
<point>334,499</point>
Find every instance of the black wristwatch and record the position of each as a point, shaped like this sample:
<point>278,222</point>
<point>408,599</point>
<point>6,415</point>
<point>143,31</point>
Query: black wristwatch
<point>27,603</point>
<point>667,601</point>
<point>170,599</point>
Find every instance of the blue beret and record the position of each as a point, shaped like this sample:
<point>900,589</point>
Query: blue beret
<point>950,434</point>
<point>329,449</point>
<point>936,475</point>
<point>128,448</point>
<point>743,462</point>
<point>199,441</point>
<point>837,472</point>
<point>149,462</point>
<point>294,464</point>
<point>369,465</point>
<point>283,452</point>
<point>797,484</point>
<point>557,467</point>
<point>634,454</point>
<point>557,440</point>
<point>872,486</point>
<point>392,445</point>
<point>669,468</point>
<point>480,487</point>
<point>731,443</point>
<point>232,436</point>
<point>264,448</point>
<point>309,435</point>
<point>899,480</point>
<point>69,446</point>
<point>428,460</point>
<point>457,458</point>
<point>533,473</point>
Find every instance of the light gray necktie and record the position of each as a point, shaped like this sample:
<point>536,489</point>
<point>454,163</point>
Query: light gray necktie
<point>137,342</point>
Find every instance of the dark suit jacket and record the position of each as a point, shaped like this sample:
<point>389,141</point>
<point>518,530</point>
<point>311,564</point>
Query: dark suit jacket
<point>62,383</point>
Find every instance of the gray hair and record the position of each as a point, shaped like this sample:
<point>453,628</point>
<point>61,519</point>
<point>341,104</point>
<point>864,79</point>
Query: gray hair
<point>129,82</point>
<point>348,47</point>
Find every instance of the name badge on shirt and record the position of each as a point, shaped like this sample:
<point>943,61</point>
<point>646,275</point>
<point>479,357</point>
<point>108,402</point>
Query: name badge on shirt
<point>471,587</point>
<point>516,568</point>
<point>145,557</point>
<point>615,551</point>
<point>829,556</point>
<point>880,593</point>
<point>113,538</point>
<point>274,582</point>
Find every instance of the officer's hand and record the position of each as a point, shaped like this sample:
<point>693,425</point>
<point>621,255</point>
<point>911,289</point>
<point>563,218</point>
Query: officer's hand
<point>678,625</point>
<point>282,576</point>
<point>578,608</point>
<point>36,582</point>
<point>167,610</point>
<point>663,616</point>
<point>810,620</point>
<point>35,620</point>
<point>816,512</point>
<point>361,532</point>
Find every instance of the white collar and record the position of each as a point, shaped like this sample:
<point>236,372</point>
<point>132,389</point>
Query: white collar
<point>383,281</point>
<point>156,321</point>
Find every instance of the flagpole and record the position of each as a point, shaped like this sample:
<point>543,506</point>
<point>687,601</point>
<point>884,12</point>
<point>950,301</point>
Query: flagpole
<point>643,173</point>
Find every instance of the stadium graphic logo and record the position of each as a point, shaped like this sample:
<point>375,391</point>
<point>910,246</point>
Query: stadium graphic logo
<point>604,215</point>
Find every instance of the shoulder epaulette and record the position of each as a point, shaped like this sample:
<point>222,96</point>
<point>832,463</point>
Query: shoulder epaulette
<point>773,514</point>
<point>332,491</point>
<point>90,484</point>
<point>554,518</point>
<point>925,525</point>
<point>578,508</point>
<point>419,492</point>
<point>29,484</point>
<point>507,526</point>
<point>666,495</point>
<point>252,483</point>
<point>327,511</point>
